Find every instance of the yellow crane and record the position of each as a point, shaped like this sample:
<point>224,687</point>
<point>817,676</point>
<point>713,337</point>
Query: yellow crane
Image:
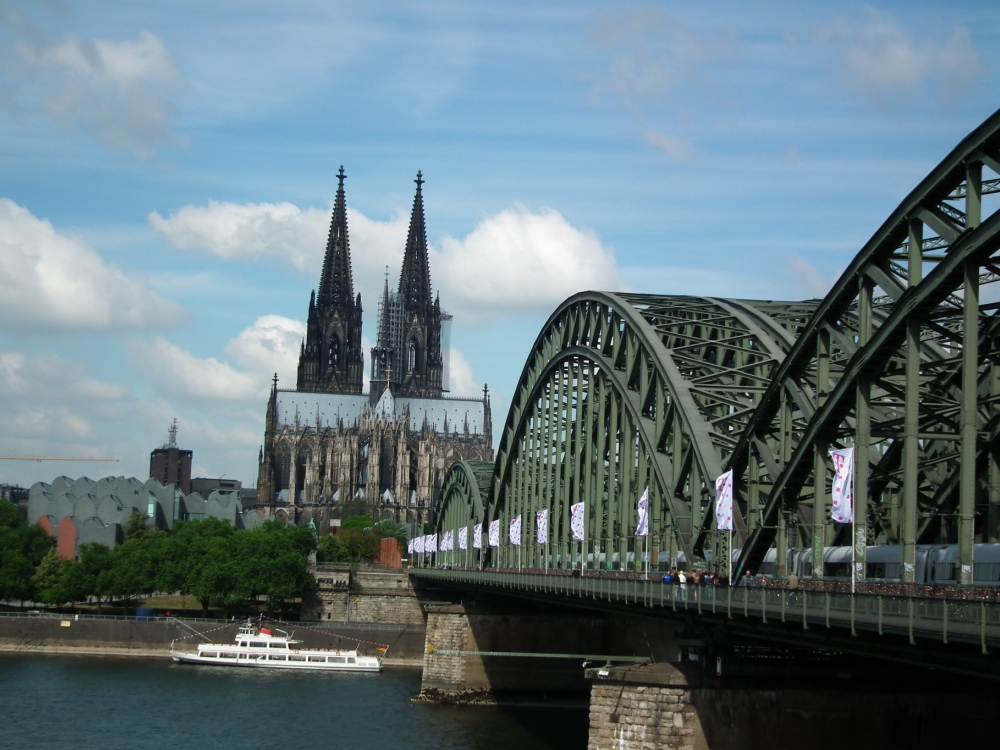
<point>56,458</point>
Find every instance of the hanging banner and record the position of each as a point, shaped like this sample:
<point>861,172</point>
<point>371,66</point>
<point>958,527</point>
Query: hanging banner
<point>463,538</point>
<point>431,545</point>
<point>724,502</point>
<point>418,545</point>
<point>477,536</point>
<point>514,532</point>
<point>495,533</point>
<point>843,485</point>
<point>576,521</point>
<point>409,547</point>
<point>448,541</point>
<point>542,526</point>
<point>642,529</point>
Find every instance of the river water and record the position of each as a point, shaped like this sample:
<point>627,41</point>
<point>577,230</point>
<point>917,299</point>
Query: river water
<point>110,703</point>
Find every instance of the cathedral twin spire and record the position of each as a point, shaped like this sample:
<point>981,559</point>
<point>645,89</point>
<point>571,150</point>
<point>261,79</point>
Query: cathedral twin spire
<point>408,352</point>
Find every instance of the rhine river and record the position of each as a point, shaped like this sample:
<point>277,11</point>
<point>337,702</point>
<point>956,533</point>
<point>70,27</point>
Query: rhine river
<point>91,703</point>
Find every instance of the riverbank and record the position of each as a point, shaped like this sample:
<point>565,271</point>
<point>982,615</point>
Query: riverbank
<point>151,638</point>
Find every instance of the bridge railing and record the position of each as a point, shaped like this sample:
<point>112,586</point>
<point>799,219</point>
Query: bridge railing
<point>959,620</point>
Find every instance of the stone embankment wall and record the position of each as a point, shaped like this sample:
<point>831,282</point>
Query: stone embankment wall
<point>152,638</point>
<point>53,634</point>
<point>363,595</point>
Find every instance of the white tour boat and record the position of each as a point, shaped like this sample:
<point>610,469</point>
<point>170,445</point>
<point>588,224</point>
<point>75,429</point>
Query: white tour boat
<point>263,647</point>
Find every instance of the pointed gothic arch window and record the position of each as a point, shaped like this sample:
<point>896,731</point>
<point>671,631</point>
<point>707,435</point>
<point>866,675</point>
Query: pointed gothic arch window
<point>334,353</point>
<point>411,356</point>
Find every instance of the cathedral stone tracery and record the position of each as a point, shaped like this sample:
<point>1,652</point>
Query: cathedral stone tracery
<point>327,443</point>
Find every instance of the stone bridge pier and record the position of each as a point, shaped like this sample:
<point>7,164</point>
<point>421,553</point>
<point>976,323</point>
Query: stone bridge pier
<point>690,694</point>
<point>480,656</point>
<point>687,707</point>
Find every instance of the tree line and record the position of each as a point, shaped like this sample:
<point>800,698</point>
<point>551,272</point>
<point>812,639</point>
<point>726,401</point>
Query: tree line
<point>206,559</point>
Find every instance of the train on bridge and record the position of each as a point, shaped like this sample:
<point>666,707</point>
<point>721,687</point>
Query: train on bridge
<point>934,564</point>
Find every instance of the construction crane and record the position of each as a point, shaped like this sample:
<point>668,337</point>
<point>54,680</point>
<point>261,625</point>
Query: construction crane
<point>56,458</point>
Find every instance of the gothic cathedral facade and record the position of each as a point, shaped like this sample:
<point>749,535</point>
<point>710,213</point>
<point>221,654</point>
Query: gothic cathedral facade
<point>327,443</point>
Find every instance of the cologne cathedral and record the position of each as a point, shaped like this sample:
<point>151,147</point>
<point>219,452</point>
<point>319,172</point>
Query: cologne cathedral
<point>327,443</point>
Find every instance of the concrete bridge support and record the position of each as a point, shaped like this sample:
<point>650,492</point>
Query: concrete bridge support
<point>482,656</point>
<point>685,708</point>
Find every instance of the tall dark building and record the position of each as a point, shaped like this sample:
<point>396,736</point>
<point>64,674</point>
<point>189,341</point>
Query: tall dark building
<point>170,465</point>
<point>327,443</point>
<point>409,351</point>
<point>331,358</point>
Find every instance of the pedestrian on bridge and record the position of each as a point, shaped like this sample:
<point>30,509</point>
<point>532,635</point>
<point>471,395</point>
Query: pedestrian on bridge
<point>793,587</point>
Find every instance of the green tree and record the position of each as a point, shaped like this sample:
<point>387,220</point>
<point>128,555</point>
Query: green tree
<point>357,522</point>
<point>136,527</point>
<point>273,562</point>
<point>50,579</point>
<point>22,549</point>
<point>134,567</point>
<point>331,549</point>
<point>360,545</point>
<point>83,576</point>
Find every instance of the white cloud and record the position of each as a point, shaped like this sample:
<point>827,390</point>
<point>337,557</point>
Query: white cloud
<point>659,70</point>
<point>516,261</point>
<point>48,421</point>
<point>116,90</point>
<point>179,373</point>
<point>461,380</point>
<point>49,378</point>
<point>51,281</point>
<point>804,273</point>
<point>889,67</point>
<point>235,231</point>
<point>679,148</point>
<point>270,345</point>
<point>521,261</point>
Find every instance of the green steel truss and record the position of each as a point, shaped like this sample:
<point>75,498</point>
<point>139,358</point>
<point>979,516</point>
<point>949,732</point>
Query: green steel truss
<point>623,391</point>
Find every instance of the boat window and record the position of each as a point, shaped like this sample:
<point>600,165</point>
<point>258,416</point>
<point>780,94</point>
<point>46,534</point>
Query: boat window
<point>258,644</point>
<point>335,659</point>
<point>278,645</point>
<point>228,656</point>
<point>296,657</point>
<point>210,654</point>
<point>276,657</point>
<point>316,658</point>
<point>351,660</point>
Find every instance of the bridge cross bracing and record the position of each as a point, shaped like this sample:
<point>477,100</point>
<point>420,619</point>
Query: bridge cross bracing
<point>624,392</point>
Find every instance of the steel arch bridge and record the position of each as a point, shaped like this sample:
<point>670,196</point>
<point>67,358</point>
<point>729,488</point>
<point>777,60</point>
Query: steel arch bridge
<point>624,392</point>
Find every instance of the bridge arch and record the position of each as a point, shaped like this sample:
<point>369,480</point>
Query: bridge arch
<point>624,392</point>
<point>903,352</point>
<point>621,392</point>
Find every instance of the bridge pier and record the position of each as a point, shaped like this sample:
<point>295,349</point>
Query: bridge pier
<point>684,707</point>
<point>476,655</point>
<point>482,658</point>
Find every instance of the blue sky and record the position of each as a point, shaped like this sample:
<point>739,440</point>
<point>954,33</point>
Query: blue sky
<point>167,172</point>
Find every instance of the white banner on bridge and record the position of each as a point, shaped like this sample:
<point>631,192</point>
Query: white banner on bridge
<point>514,532</point>
<point>843,485</point>
<point>477,536</point>
<point>642,529</point>
<point>495,533</point>
<point>724,502</point>
<point>576,521</point>
<point>448,541</point>
<point>418,544</point>
<point>463,538</point>
<point>542,526</point>
<point>432,543</point>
